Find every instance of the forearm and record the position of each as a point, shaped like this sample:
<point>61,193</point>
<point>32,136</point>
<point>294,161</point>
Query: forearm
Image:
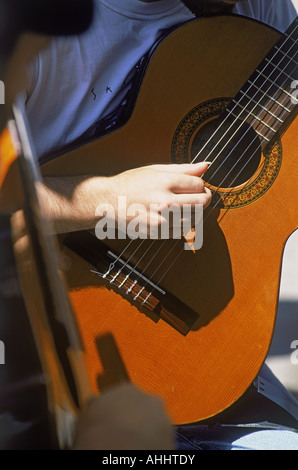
<point>70,202</point>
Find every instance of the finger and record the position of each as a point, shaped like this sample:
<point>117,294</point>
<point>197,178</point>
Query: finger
<point>186,184</point>
<point>192,199</point>
<point>186,168</point>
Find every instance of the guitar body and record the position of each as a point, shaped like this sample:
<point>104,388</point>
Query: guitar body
<point>232,282</point>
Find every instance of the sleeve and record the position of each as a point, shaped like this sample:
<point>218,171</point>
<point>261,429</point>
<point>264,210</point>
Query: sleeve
<point>276,13</point>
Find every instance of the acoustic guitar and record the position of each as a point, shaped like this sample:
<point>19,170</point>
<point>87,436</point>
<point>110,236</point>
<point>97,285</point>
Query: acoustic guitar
<point>195,326</point>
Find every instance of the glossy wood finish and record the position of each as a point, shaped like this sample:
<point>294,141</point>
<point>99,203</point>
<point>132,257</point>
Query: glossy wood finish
<point>233,281</point>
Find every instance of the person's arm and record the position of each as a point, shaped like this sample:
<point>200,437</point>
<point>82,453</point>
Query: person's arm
<point>70,203</point>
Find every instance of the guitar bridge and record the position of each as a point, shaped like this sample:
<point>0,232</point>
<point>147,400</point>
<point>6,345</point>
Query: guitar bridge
<point>132,284</point>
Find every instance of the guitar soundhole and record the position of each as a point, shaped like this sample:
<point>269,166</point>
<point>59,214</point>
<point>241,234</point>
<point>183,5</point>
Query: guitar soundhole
<point>233,148</point>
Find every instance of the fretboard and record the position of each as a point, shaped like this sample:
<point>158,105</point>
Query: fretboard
<point>267,99</point>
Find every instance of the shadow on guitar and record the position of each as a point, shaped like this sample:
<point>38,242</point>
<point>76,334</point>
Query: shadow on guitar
<point>205,293</point>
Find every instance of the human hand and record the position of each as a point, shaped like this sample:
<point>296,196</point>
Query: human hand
<point>151,190</point>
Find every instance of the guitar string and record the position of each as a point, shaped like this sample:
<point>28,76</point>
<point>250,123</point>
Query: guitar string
<point>213,208</point>
<point>144,300</point>
<point>229,112</point>
<point>247,148</point>
<point>113,264</point>
<point>171,250</point>
<point>152,275</point>
<point>153,242</point>
<point>280,90</point>
<point>121,254</point>
<point>283,111</point>
<point>278,50</point>
<point>177,256</point>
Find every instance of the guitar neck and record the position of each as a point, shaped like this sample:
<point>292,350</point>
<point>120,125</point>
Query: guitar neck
<point>266,101</point>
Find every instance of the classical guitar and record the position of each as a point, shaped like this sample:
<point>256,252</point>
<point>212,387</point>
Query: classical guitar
<point>195,326</point>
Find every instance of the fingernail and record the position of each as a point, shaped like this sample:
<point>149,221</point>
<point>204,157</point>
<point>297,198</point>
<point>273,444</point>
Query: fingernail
<point>201,163</point>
